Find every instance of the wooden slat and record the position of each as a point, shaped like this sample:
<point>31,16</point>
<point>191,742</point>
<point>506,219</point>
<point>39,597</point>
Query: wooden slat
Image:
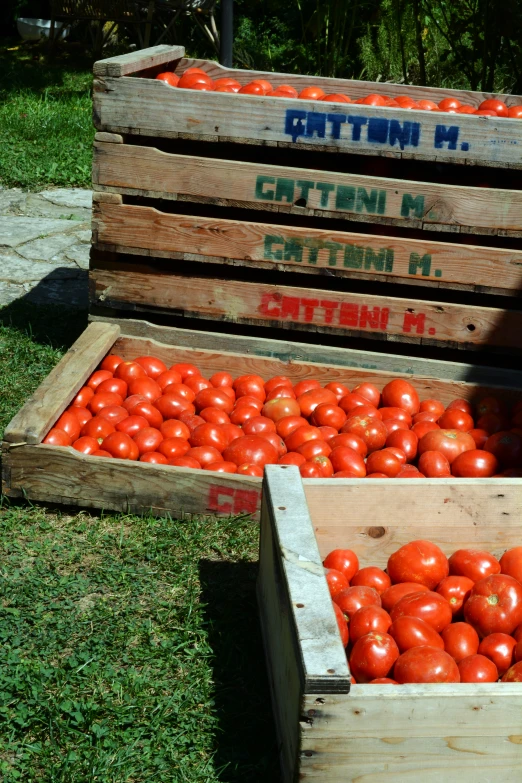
<point>148,171</point>
<point>301,360</point>
<point>151,108</point>
<point>133,62</point>
<point>306,249</point>
<point>289,307</point>
<point>53,474</point>
<point>42,409</point>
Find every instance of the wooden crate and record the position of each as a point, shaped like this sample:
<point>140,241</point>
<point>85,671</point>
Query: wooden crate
<point>383,243</point>
<point>55,474</point>
<point>335,732</point>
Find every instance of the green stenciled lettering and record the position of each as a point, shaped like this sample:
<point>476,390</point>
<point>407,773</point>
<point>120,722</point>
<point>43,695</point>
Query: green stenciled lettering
<point>293,250</point>
<point>264,195</point>
<point>390,257</point>
<point>381,202</point>
<point>305,186</point>
<point>313,246</point>
<point>417,262</point>
<point>270,253</point>
<point>333,248</point>
<point>410,203</point>
<point>284,190</point>
<point>366,201</point>
<point>353,257</point>
<point>375,259</point>
<point>325,189</point>
<point>345,198</point>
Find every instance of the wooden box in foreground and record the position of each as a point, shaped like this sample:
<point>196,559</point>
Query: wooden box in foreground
<point>334,732</point>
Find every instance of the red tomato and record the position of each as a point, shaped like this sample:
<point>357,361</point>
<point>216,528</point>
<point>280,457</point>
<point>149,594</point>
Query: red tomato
<point>167,378</point>
<point>371,576</point>
<point>324,465</point>
<point>146,387</point>
<point>427,106</point>
<point>154,458</point>
<point>128,371</point>
<point>451,443</point>
<point>383,681</point>
<point>473,563</point>
<point>373,655</point>
<point>204,455</point>
<point>114,414</point>
<point>114,385</point>
<point>121,446</point>
<point>300,435</point>
<point>281,408</point>
<point>58,437</point>
<point>426,664</point>
<point>133,400</point>
<point>422,427</point>
<point>495,105</point>
<point>345,459</point>
<point>101,453</point>
<point>111,362</point>
<point>418,561</point>
<point>353,598</point>
<point>291,458</point>
<point>507,448</point>
<point>170,405</point>
<point>103,400</point>
<point>456,420</point>
<point>287,425</point>
<point>132,424</point>
<point>343,560</point>
<point>480,437</point>
<point>232,432</point>
<point>186,370</point>
<point>69,423</point>
<point>368,619</point>
<point>336,581</point>
<point>250,449</point>
<point>214,398</point>
<point>98,377</point>
<point>276,441</point>
<point>191,420</point>
<point>432,406</point>
<point>430,607</point>
<point>221,378</point>
<point>456,590</point>
<point>251,89</point>
<point>185,462</point>
<point>515,112</point>
<point>374,100</point>
<point>257,425</point>
<point>250,470</point>
<point>284,392</point>
<point>499,648</point>
<point>81,414</point>
<point>173,447</point>
<point>83,397</point>
<point>342,625</point>
<point>517,633</point>
<point>239,416</point>
<point>328,415</point>
<point>408,472</point>
<point>169,78</point>
<point>303,386</point>
<point>346,474</point>
<point>284,91</point>
<point>475,463</point>
<point>434,465</point>
<point>494,605</point>
<point>327,433</point>
<point>383,462</point>
<point>397,414</point>
<point>423,416</point>
<point>221,467</point>
<point>511,563</point>
<point>406,440</point>
<point>477,668</point>
<point>147,439</point>
<point>85,445</point>
<point>153,366</point>
<point>215,416</point>
<point>351,441</point>
<point>179,389</point>
<point>97,428</point>
<point>312,93</point>
<point>411,632</point>
<point>190,81</point>
<point>401,394</point>
<point>309,401</point>
<point>460,405</point>
<point>371,430</point>
<point>197,383</point>
<point>369,391</point>
<point>514,674</point>
<point>494,422</point>
<point>350,402</point>
<point>396,592</point>
<point>276,382</point>
<point>460,640</point>
<point>339,389</point>
<point>448,104</point>
<point>394,424</point>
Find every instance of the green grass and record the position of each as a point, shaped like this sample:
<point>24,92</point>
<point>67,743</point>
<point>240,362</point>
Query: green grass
<point>130,648</point>
<point>46,130</point>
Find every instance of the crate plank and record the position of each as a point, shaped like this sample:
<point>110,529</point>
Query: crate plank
<point>133,62</point>
<point>42,409</point>
<point>149,171</point>
<point>297,249</point>
<point>311,309</point>
<point>150,107</point>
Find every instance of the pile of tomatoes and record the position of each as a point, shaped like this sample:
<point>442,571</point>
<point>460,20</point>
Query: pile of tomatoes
<point>427,618</point>
<point>143,410</point>
<point>198,79</point>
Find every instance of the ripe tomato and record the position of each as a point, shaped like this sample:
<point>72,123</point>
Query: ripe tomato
<point>204,455</point>
<point>314,448</point>
<point>303,386</point>
<point>168,377</point>
<point>460,640</point>
<point>312,94</point>
<point>401,394</point>
<point>284,91</point>
<point>426,664</point>
<point>328,415</point>
<point>351,402</point>
<point>336,581</point>
<point>81,414</point>
<point>394,593</point>
<point>103,400</point>
<point>494,605</point>
<point>86,444</point>
<point>154,458</point>
<point>451,443</point>
<point>422,427</point>
<point>448,104</point>
<point>368,619</point>
<point>507,448</point>
<point>456,590</point>
<point>456,420</point>
<point>121,446</point>
<point>242,414</point>
<point>276,441</point>
<point>251,89</point>
<point>185,462</point>
<point>173,447</point>
<point>300,435</point>
<point>153,366</point>
<point>250,385</point>
<point>185,369</point>
<point>101,453</point>
<point>411,632</point>
<point>353,598</point>
<point>128,371</point>
<point>424,416</point>
<point>397,414</point>
<point>97,428</point>
<point>215,416</point>
<point>373,655</point>
<point>394,424</point>
<point>232,432</point>
<point>351,441</point>
<point>434,465</point>
<point>197,383</point>
<point>383,462</point>
<point>430,607</point>
<point>371,576</point>
<point>473,563</point>
<point>147,439</point>
<point>475,463</point>
<point>343,560</point>
<point>432,406</point>
<point>169,78</point>
<point>327,432</point>
<point>258,424</point>
<point>310,469</point>
<point>132,424</point>
<point>226,81</point>
<point>499,648</point>
<point>339,389</point>
<point>277,381</point>
<point>418,561</point>
<point>345,459</point>
<point>115,385</point>
<point>511,563</point>
<point>69,423</point>
<point>221,378</point>
<point>287,425</point>
<point>514,674</point>
<point>406,440</point>
<point>221,467</point>
<point>342,625</point>
<point>383,681</point>
<point>250,470</point>
<point>325,466</point>
<point>309,401</point>
<point>427,106</point>
<point>281,408</point>
<point>170,405</point>
<point>286,392</point>
<point>192,421</point>
<point>250,449</point>
<point>83,397</point>
<point>371,430</point>
<point>114,414</point>
<point>110,362</point>
<point>374,100</point>
<point>480,437</point>
<point>409,472</point>
<point>190,81</point>
<point>214,398</point>
<point>399,453</point>
<point>477,668</point>
<point>493,104</point>
<point>494,422</point>
<point>58,437</point>
<point>98,377</point>
<point>370,392</point>
<point>291,458</point>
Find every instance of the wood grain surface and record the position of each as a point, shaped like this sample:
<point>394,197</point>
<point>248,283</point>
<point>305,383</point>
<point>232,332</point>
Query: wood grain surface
<point>126,64</point>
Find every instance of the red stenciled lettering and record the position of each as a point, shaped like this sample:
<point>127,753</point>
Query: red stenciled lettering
<point>214,499</point>
<point>385,314</point>
<point>246,500</point>
<point>412,320</point>
<point>290,307</point>
<point>329,308</point>
<point>267,299</point>
<point>370,318</point>
<point>349,314</point>
<point>309,307</point>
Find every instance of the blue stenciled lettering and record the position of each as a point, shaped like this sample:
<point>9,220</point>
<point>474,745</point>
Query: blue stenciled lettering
<point>357,123</point>
<point>337,120</point>
<point>316,123</point>
<point>449,135</point>
<point>378,130</point>
<point>294,125</point>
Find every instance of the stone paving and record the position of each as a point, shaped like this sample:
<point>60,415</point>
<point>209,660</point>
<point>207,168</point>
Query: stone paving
<point>44,246</point>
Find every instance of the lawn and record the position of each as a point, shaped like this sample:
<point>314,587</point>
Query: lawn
<point>130,647</point>
<point>46,130</point>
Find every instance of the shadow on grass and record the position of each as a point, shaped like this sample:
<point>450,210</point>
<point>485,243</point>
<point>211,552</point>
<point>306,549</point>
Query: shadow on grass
<point>246,745</point>
<point>27,66</point>
<point>47,324</point>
